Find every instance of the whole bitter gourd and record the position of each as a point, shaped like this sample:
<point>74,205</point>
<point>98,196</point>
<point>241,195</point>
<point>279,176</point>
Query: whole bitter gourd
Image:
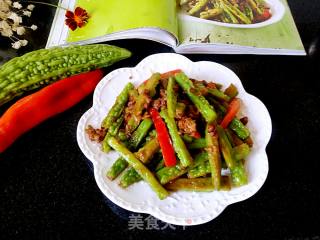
<point>42,67</point>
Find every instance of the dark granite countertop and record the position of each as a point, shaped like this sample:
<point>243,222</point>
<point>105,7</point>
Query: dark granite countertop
<point>47,188</point>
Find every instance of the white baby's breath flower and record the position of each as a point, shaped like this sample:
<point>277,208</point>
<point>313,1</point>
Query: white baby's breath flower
<point>4,24</point>
<point>30,7</point>
<point>3,15</point>
<point>14,27</point>
<point>21,30</point>
<point>16,45</point>
<point>34,27</point>
<point>7,32</point>
<point>15,17</point>
<point>11,16</point>
<point>23,42</point>
<point>9,2</point>
<point>17,5</point>
<point>26,13</point>
<point>4,7</point>
<point>5,29</point>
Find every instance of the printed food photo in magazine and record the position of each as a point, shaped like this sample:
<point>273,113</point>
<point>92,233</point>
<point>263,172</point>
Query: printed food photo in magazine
<point>188,26</point>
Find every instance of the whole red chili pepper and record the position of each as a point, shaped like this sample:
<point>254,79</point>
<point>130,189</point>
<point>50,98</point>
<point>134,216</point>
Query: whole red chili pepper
<point>49,101</point>
<point>168,153</point>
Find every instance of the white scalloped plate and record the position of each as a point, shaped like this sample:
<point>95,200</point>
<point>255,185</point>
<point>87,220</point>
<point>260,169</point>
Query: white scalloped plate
<point>276,7</point>
<point>180,208</point>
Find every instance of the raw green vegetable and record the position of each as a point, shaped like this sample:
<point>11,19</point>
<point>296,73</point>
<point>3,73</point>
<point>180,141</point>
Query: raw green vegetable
<point>41,67</point>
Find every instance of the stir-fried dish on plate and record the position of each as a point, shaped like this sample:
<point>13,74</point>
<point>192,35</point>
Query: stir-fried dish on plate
<point>177,134</point>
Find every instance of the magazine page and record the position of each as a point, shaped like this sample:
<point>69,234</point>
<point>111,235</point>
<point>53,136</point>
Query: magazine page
<point>238,26</point>
<point>114,19</point>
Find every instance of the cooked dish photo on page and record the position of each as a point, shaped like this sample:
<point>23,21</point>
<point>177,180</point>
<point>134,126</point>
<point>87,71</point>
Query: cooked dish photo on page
<point>188,26</point>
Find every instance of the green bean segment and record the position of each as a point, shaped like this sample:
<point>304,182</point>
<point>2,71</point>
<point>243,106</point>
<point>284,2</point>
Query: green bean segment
<point>139,167</point>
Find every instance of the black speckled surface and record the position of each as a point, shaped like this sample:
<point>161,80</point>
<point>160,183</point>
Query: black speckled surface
<point>47,189</point>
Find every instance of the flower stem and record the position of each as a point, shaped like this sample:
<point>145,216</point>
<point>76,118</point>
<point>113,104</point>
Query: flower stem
<point>48,4</point>
<point>14,38</point>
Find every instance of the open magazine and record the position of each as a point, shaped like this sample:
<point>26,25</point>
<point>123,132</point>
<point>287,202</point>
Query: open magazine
<point>188,26</point>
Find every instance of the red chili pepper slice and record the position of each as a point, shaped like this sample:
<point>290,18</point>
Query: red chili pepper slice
<point>167,74</point>
<point>170,73</point>
<point>196,135</point>
<point>233,109</point>
<point>47,102</point>
<point>168,153</point>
